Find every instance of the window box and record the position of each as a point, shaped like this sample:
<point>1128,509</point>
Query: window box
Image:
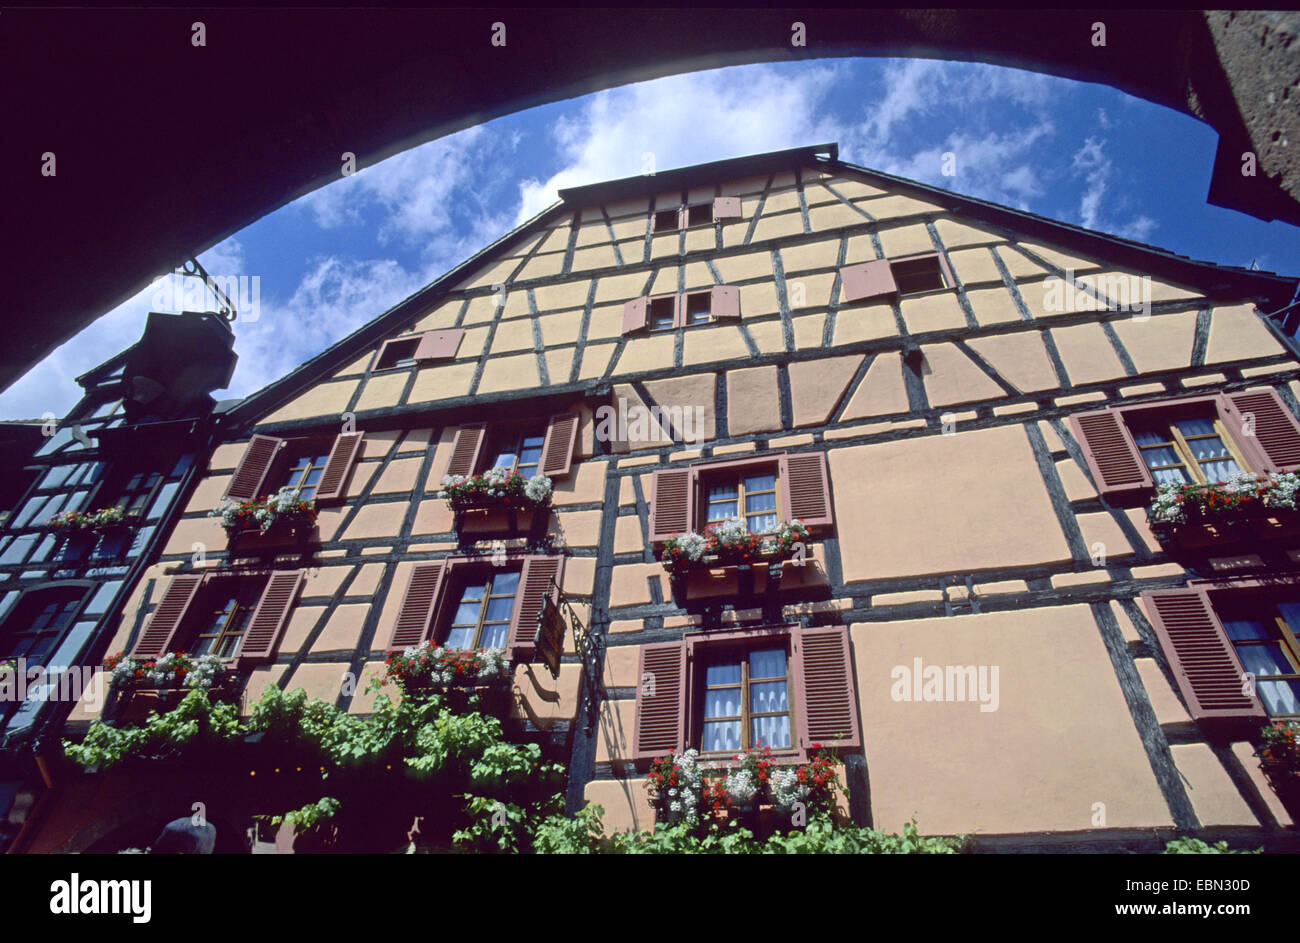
<point>104,521</point>
<point>496,489</point>
<point>467,678</point>
<point>730,543</point>
<point>1243,508</point>
<point>282,519</point>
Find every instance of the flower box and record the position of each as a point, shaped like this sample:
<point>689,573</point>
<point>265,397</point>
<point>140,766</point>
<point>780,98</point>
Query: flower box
<point>496,520</point>
<point>283,517</point>
<point>467,678</point>
<point>1243,507</point>
<point>729,543</point>
<point>497,489</point>
<point>175,671</point>
<point>103,521</point>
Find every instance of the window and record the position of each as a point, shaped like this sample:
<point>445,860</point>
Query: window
<point>885,279</point>
<point>1187,450</point>
<point>1232,647</point>
<point>746,701</point>
<point>467,602</point>
<point>786,687</point>
<point>719,303</point>
<point>313,468</point>
<point>765,490</point>
<point>302,477</point>
<point>482,617</point>
<point>221,614</point>
<point>134,494</point>
<point>705,213</point>
<point>1131,449</point>
<point>418,348</point>
<point>752,497</point>
<point>531,448</point>
<point>38,621</point>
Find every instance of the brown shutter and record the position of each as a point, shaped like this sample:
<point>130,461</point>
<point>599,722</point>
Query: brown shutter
<point>724,301</point>
<point>534,587</point>
<point>866,281</point>
<point>465,450</point>
<point>1208,672</point>
<point>439,345</point>
<point>246,484</point>
<point>726,207</point>
<point>557,450</point>
<point>343,455</point>
<point>672,506</point>
<point>415,615</point>
<point>636,315</point>
<point>825,701</point>
<point>271,615</point>
<point>661,694</point>
<point>806,489</point>
<point>156,639</point>
<point>1112,455</point>
<point>1276,442</point>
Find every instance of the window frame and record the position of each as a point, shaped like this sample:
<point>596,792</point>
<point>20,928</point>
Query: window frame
<point>700,688</point>
<point>468,442</point>
<point>738,471</point>
<point>265,457</point>
<point>428,346</point>
<point>875,280</point>
<point>66,587</point>
<point>458,579</point>
<point>1189,463</point>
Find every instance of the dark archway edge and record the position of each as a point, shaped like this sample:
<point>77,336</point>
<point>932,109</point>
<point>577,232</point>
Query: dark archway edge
<point>164,149</point>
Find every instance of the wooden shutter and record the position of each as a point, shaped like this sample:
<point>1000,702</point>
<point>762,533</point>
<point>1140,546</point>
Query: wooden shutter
<point>806,489</point>
<point>1204,663</point>
<point>1112,455</point>
<point>826,704</point>
<point>534,587</point>
<point>724,301</point>
<point>1276,442</point>
<point>636,315</point>
<point>465,450</point>
<point>246,484</point>
<point>415,615</point>
<point>867,281</point>
<point>439,345</point>
<point>156,639</point>
<point>660,725</point>
<point>343,455</point>
<point>726,207</point>
<point>673,505</point>
<point>271,615</point>
<point>557,450</point>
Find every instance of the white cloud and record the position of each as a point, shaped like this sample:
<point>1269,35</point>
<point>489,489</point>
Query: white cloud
<point>687,119</point>
<point>1097,207</point>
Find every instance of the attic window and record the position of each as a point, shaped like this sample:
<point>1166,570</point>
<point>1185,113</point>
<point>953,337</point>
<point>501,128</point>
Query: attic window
<point>663,313</point>
<point>918,275</point>
<point>665,220</point>
<point>701,215</point>
<point>697,307</point>
<point>398,354</point>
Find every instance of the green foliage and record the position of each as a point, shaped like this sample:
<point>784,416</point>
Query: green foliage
<point>1194,846</point>
<point>195,721</point>
<point>304,818</point>
<point>585,834</point>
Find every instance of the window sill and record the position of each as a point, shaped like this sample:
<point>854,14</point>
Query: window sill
<point>1228,530</point>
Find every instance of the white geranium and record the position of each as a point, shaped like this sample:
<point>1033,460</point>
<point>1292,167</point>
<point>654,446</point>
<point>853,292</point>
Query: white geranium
<point>787,790</point>
<point>1283,492</point>
<point>741,785</point>
<point>731,531</point>
<point>538,488</point>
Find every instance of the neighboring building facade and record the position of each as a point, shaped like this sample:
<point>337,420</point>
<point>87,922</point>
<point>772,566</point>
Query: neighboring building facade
<point>969,436</point>
<point>136,442</point>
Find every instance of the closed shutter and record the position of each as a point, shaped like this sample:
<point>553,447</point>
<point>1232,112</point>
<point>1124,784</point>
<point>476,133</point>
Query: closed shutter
<point>1204,663</point>
<point>415,614</point>
<point>636,315</point>
<point>534,586</point>
<point>806,489</point>
<point>271,615</point>
<point>660,725</point>
<point>465,450</point>
<point>867,281</point>
<point>825,700</point>
<point>439,345</point>
<point>158,634</point>
<point>253,468</point>
<point>1112,455</point>
<point>1276,439</point>
<point>724,301</point>
<point>343,455</point>
<point>673,505</point>
<point>557,450</point>
<point>726,207</point>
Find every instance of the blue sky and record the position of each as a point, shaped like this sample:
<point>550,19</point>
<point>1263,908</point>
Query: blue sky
<point>341,256</point>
